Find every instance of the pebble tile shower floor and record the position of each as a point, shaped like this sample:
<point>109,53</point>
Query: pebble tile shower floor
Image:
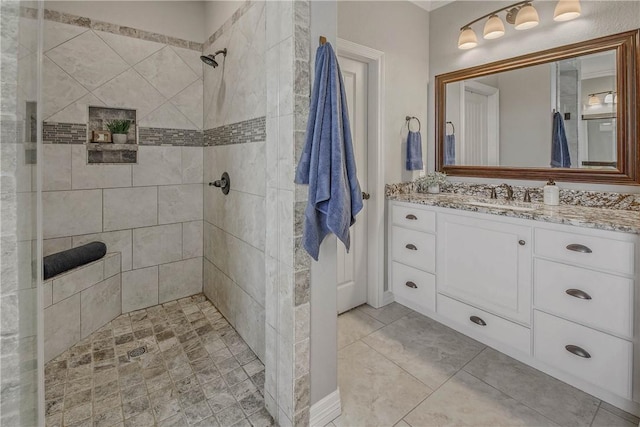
<point>196,371</point>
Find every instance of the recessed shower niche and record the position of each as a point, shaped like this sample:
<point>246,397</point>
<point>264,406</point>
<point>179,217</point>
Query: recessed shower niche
<point>101,145</point>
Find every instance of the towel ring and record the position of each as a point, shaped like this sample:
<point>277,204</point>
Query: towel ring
<point>409,118</point>
<point>452,127</point>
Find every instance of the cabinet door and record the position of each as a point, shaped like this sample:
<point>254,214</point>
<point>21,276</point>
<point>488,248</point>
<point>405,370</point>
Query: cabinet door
<point>486,264</point>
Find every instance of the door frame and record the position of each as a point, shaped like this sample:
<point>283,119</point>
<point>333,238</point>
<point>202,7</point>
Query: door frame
<point>375,170</point>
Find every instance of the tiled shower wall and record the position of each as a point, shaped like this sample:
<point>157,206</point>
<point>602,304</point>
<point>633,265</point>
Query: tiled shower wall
<point>235,135</point>
<point>18,199</point>
<point>287,382</point>
<point>150,212</point>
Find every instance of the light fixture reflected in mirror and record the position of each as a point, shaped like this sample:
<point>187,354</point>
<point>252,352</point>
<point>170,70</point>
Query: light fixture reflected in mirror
<point>522,15</point>
<point>608,99</point>
<point>593,100</point>
<point>567,10</point>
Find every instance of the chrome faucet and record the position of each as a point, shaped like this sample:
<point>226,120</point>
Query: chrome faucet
<point>509,190</point>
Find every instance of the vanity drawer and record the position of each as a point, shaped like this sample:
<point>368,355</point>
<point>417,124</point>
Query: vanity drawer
<point>496,328</point>
<point>413,288</point>
<point>412,217</point>
<point>589,251</point>
<point>600,300</point>
<point>414,248</point>
<point>606,363</point>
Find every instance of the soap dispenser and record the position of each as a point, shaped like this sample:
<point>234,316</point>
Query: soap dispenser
<point>551,194</point>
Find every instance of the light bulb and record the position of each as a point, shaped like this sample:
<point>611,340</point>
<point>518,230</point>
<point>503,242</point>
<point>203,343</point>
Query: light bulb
<point>527,18</point>
<point>494,28</point>
<point>567,10</point>
<point>467,39</point>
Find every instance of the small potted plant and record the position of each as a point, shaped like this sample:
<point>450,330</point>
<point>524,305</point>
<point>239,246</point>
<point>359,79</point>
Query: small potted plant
<point>431,182</point>
<point>119,129</point>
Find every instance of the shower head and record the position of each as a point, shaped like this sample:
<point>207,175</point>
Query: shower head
<point>211,58</point>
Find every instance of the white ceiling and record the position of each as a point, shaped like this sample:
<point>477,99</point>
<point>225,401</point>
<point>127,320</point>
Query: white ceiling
<point>430,5</point>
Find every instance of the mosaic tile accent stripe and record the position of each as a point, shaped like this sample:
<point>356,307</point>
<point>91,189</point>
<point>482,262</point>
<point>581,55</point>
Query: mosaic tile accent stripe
<point>591,199</point>
<point>64,133</point>
<point>94,24</point>
<point>253,130</point>
<point>228,24</point>
<point>76,133</point>
<point>177,137</point>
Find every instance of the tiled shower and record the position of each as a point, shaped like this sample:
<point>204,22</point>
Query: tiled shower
<point>175,236</point>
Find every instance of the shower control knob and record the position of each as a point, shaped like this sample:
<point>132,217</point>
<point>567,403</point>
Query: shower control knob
<point>224,183</point>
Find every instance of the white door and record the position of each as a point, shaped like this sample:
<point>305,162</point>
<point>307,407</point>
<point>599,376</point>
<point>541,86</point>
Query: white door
<point>352,266</point>
<point>481,142</point>
<point>475,133</point>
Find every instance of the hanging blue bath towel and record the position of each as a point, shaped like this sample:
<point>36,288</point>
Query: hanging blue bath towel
<point>414,151</point>
<point>560,157</point>
<point>327,162</point>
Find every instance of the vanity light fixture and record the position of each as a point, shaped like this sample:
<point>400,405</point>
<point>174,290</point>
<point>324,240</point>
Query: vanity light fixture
<point>494,28</point>
<point>467,39</point>
<point>521,15</point>
<point>567,10</point>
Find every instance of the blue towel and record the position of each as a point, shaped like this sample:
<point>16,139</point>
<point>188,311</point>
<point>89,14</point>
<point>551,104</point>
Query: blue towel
<point>559,147</point>
<point>327,162</point>
<point>450,150</point>
<point>414,151</point>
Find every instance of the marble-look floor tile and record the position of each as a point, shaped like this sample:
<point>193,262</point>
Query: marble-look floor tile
<point>619,412</point>
<point>466,401</point>
<point>554,399</point>
<point>387,314</point>
<point>605,418</point>
<point>374,391</point>
<point>354,325</point>
<point>425,348</point>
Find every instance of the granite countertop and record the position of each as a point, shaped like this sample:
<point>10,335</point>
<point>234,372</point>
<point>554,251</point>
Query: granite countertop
<point>600,218</point>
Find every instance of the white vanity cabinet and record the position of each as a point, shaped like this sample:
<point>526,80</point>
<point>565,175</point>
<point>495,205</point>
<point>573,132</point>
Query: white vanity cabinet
<point>560,298</point>
<point>486,263</point>
<point>413,256</point>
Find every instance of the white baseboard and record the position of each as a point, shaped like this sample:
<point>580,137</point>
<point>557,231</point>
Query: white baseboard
<point>387,298</point>
<point>325,410</point>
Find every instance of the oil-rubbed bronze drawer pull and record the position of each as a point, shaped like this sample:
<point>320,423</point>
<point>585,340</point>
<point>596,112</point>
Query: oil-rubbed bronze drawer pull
<point>577,293</point>
<point>411,285</point>
<point>411,216</point>
<point>576,247</point>
<point>578,351</point>
<point>478,321</point>
<point>411,247</point>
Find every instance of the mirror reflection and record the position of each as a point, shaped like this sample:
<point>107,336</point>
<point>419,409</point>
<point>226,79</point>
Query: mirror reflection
<point>560,114</point>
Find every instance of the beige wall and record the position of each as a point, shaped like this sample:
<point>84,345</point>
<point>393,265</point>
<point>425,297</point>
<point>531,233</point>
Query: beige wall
<point>599,18</point>
<point>401,30</point>
<point>182,19</point>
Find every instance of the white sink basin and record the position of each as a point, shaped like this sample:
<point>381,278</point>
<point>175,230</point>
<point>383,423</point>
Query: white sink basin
<point>501,206</point>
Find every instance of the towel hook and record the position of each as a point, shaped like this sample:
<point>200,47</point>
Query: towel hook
<point>409,118</point>
<point>452,127</point>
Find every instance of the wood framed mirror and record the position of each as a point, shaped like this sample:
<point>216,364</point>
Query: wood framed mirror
<point>568,113</point>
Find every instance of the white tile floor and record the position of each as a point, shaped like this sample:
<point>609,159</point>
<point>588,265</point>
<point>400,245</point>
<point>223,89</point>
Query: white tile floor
<point>399,368</point>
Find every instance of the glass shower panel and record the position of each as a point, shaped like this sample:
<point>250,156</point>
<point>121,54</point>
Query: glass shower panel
<point>21,379</point>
